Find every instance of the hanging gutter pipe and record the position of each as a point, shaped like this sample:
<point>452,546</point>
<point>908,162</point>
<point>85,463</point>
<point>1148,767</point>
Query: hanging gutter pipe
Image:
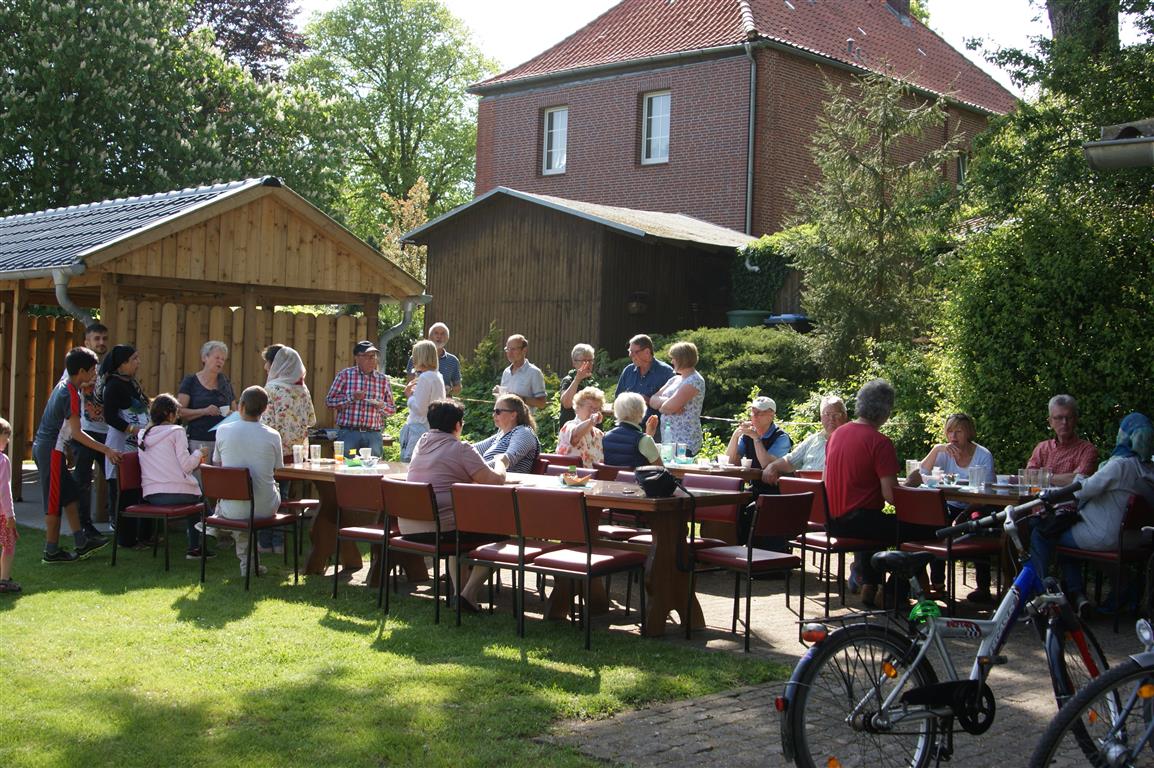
<point>409,305</point>
<point>61,278</point>
<point>749,150</point>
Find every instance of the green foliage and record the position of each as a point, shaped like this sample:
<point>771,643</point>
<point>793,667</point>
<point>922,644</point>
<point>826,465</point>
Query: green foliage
<point>1052,297</point>
<point>875,218</point>
<point>110,99</point>
<point>395,72</point>
<point>758,289</point>
<point>740,363</point>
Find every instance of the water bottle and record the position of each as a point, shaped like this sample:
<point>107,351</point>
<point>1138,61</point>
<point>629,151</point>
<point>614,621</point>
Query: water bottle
<point>666,432</point>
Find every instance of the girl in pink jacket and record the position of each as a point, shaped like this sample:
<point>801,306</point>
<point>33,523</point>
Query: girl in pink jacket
<point>166,465</point>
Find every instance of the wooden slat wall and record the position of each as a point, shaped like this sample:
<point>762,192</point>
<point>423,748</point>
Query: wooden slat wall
<point>532,270</point>
<point>169,337</point>
<point>261,243</point>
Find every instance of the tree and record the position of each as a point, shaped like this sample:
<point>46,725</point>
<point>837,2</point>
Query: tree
<point>873,221</point>
<point>259,36</point>
<point>110,99</point>
<point>396,72</point>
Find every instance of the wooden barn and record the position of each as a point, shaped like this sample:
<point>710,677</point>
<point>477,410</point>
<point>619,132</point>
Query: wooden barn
<point>563,271</point>
<point>171,271</point>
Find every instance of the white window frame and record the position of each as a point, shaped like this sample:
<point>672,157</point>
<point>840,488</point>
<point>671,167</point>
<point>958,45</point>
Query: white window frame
<point>647,124</point>
<point>963,168</point>
<point>549,144</point>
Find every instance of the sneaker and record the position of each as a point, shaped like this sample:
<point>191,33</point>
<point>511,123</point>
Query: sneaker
<point>89,547</point>
<point>261,570</point>
<point>193,553</point>
<point>92,532</point>
<point>854,579</point>
<point>96,537</point>
<point>59,556</point>
<point>980,596</point>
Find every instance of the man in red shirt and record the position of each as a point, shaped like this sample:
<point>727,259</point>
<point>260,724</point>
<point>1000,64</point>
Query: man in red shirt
<point>1066,454</point>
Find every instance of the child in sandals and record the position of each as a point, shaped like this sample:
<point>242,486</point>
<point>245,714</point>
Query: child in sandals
<point>8,534</point>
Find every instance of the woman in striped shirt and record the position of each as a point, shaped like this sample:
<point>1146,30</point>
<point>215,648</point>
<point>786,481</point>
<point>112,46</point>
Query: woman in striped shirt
<point>515,442</point>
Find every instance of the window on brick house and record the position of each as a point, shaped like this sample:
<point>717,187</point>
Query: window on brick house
<point>963,167</point>
<point>555,132</point>
<point>655,128</point>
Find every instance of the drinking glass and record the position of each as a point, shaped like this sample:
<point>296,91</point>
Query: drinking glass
<point>723,460</point>
<point>1023,481</point>
<point>912,465</point>
<point>978,477</point>
<point>666,452</point>
<point>298,454</point>
<point>366,453</point>
<point>682,454</point>
<point>314,453</point>
<point>338,448</point>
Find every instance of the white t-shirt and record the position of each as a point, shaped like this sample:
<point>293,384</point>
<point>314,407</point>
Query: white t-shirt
<point>526,381</point>
<point>429,387</point>
<point>253,445</point>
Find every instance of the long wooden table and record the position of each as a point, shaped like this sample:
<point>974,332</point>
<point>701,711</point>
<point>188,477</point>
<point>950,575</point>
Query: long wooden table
<point>324,529</point>
<point>666,584</point>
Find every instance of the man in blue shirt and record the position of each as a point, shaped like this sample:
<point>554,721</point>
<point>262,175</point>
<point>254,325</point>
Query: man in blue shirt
<point>645,374</point>
<point>447,363</point>
<point>763,442</point>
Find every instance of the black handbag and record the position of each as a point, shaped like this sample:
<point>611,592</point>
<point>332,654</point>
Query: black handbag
<point>656,482</point>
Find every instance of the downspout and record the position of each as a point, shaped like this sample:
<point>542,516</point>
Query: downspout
<point>749,150</point>
<point>61,278</point>
<point>409,305</point>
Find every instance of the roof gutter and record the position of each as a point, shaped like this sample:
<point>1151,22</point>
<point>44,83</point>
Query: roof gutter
<point>61,277</point>
<point>409,305</point>
<point>481,89</point>
<point>750,146</point>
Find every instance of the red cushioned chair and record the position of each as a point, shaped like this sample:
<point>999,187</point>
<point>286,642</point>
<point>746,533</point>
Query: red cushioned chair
<point>415,501</point>
<point>612,471</point>
<point>561,515</point>
<point>130,480</point>
<point>607,529</point>
<point>492,509</point>
<point>927,507</point>
<point>1130,549</point>
<point>235,484</point>
<point>779,515</point>
<point>821,540</point>
<point>360,495</point>
<point>558,460</point>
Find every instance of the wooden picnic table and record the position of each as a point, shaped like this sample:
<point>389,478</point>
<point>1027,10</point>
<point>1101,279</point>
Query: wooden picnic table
<point>666,583</point>
<point>749,474</point>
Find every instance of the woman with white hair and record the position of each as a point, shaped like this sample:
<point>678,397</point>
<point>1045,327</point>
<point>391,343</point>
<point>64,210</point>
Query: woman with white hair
<point>580,377</point>
<point>203,395</point>
<point>626,445</point>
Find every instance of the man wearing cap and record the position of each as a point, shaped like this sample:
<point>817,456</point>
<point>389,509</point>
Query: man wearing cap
<point>810,452</point>
<point>759,440</point>
<point>361,397</point>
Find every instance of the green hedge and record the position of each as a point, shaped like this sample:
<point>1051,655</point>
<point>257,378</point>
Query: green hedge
<point>758,290</point>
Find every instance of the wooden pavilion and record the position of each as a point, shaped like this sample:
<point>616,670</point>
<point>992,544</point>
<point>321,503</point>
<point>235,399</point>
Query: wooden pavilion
<point>171,271</point>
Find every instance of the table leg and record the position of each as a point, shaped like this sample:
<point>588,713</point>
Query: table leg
<point>561,598</point>
<point>666,585</point>
<point>324,536</point>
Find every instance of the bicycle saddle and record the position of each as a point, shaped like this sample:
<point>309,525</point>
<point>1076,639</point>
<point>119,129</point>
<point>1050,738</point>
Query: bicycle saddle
<point>903,563</point>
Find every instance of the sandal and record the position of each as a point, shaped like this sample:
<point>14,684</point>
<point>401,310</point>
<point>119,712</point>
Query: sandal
<point>9,586</point>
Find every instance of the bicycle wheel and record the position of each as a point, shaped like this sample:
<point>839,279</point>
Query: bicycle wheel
<point>1074,655</point>
<point>847,672</point>
<point>1109,721</point>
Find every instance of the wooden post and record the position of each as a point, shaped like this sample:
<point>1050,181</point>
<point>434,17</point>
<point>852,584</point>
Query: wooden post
<point>18,388</point>
<point>372,307</point>
<point>250,372</point>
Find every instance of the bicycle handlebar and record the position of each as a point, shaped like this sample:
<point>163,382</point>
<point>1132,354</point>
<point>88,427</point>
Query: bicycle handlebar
<point>1047,498</point>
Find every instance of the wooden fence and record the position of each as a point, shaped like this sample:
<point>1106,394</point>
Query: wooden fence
<point>169,336</point>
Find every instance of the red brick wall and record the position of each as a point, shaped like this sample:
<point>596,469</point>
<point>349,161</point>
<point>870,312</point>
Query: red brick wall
<point>705,175</point>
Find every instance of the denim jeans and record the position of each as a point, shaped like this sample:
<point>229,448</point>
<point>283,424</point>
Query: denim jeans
<point>82,473</point>
<point>1042,549</point>
<point>167,499</point>
<point>355,438</point>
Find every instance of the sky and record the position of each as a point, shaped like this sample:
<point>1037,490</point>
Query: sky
<point>513,31</point>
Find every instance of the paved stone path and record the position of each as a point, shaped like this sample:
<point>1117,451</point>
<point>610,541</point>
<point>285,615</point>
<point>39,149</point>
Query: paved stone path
<point>740,729</point>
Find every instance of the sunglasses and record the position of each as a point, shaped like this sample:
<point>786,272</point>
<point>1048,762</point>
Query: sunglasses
<point>503,410</point>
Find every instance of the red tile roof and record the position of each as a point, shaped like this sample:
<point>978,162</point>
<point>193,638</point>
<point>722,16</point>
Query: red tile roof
<point>881,41</point>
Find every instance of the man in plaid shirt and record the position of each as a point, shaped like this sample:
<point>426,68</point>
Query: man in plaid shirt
<point>361,397</point>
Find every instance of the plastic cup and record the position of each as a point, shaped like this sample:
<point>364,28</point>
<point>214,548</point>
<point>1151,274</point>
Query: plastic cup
<point>338,447</point>
<point>314,453</point>
<point>722,460</point>
<point>224,410</point>
<point>298,454</point>
<point>746,463</point>
<point>366,453</point>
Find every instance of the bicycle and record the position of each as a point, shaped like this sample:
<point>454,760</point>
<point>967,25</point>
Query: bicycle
<point>1111,720</point>
<point>866,693</point>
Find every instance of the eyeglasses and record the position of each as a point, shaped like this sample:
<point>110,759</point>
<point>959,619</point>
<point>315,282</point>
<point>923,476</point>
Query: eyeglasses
<point>503,410</point>
<point>513,349</point>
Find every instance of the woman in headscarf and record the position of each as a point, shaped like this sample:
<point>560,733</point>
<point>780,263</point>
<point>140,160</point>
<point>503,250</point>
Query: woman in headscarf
<point>290,412</point>
<point>1102,504</point>
<point>126,412</point>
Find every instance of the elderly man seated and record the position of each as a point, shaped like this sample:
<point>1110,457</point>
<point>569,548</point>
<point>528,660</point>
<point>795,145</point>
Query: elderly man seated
<point>759,439</point>
<point>810,452</point>
<point>1066,454</point>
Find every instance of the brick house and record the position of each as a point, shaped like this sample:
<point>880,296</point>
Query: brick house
<point>705,107</point>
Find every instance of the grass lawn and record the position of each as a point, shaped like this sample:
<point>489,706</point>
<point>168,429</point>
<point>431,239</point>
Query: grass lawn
<point>130,666</point>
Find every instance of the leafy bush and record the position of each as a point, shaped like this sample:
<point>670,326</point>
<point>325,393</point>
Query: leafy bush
<point>740,363</point>
<point>758,289</point>
<point>1053,302</point>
